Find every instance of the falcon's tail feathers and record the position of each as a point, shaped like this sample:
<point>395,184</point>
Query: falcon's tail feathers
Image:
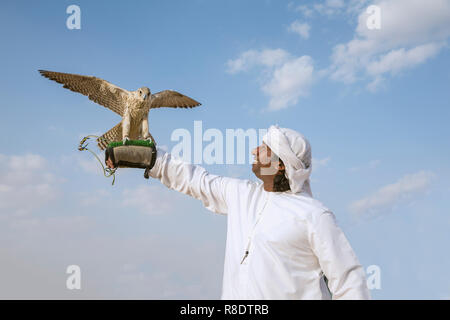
<point>114,134</point>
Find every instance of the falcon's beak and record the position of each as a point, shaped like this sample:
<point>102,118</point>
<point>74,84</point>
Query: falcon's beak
<point>144,96</point>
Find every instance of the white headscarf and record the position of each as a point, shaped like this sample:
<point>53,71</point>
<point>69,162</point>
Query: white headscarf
<point>295,152</point>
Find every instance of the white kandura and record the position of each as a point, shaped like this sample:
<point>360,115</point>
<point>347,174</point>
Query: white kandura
<point>292,240</point>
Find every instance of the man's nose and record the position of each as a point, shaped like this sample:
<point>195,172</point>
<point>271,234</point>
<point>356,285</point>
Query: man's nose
<point>255,151</point>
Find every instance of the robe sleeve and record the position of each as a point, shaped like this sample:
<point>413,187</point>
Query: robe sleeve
<point>346,276</point>
<point>192,180</point>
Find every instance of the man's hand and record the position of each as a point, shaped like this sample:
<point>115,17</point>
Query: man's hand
<point>109,163</point>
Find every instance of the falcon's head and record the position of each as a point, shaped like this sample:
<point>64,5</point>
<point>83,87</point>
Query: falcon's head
<point>144,93</point>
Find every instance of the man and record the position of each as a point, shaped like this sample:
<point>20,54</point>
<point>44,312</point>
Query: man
<point>281,243</point>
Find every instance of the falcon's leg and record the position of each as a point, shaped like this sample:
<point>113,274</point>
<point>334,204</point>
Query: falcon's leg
<point>151,138</point>
<point>146,135</point>
<point>126,126</point>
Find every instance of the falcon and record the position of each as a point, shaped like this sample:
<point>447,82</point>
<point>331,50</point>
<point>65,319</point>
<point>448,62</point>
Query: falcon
<point>132,106</point>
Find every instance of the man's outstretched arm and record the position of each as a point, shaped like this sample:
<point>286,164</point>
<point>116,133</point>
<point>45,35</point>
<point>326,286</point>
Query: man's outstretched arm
<point>191,180</point>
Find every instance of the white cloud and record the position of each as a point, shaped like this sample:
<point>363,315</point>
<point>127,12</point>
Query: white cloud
<point>319,163</point>
<point>355,7</point>
<point>371,165</point>
<point>289,82</point>
<point>388,196</point>
<point>38,227</point>
<point>251,58</point>
<point>301,29</point>
<point>397,60</point>
<point>94,197</point>
<point>285,78</point>
<point>89,165</point>
<point>374,163</point>
<point>305,10</point>
<point>328,7</point>
<point>26,183</point>
<point>335,3</point>
<point>151,200</point>
<point>375,84</point>
<point>410,34</point>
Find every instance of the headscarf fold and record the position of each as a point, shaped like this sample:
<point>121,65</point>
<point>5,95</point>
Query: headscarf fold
<point>295,152</point>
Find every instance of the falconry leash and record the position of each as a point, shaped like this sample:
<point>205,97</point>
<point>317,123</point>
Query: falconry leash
<point>107,172</point>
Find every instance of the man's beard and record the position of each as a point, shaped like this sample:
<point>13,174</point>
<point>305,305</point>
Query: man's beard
<point>257,167</point>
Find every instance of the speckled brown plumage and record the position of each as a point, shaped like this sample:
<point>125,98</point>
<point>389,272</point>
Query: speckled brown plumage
<point>132,106</point>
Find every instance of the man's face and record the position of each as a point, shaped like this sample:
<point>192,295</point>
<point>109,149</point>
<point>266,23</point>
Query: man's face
<point>265,163</point>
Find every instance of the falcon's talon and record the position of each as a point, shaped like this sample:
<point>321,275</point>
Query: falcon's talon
<point>124,141</point>
<point>151,140</point>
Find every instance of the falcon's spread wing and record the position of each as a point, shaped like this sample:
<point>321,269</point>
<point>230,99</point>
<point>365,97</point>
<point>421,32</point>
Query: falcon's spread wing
<point>98,90</point>
<point>172,99</point>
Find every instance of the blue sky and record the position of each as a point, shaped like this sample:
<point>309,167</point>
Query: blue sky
<point>373,104</point>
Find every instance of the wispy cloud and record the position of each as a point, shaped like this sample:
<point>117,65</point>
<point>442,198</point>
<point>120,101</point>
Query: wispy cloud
<point>304,9</point>
<point>89,165</point>
<point>26,183</point>
<point>302,29</point>
<point>385,198</point>
<point>267,58</point>
<point>285,78</point>
<point>370,165</point>
<point>94,197</point>
<point>327,7</point>
<point>319,163</point>
<point>152,200</point>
